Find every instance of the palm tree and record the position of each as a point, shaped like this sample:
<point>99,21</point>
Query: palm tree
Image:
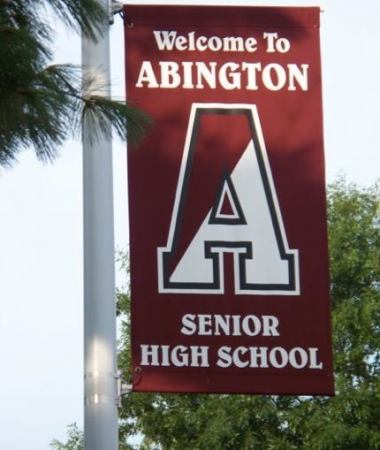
<point>41,104</point>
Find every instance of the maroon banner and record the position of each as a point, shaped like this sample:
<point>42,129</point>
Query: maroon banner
<point>229,261</point>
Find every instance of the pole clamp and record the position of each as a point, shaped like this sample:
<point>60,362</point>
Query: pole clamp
<point>123,388</point>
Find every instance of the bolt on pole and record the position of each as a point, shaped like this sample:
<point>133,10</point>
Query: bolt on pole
<point>100,374</point>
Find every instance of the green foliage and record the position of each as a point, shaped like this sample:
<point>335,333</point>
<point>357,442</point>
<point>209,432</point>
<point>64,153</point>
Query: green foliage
<point>42,104</point>
<point>354,222</point>
<point>74,442</point>
<point>348,421</point>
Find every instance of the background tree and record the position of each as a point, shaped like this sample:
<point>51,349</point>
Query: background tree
<point>350,420</point>
<point>42,104</point>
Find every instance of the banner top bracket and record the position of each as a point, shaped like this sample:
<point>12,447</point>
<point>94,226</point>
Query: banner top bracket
<point>114,7</point>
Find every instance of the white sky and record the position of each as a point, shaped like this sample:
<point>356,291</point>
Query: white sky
<point>41,225</point>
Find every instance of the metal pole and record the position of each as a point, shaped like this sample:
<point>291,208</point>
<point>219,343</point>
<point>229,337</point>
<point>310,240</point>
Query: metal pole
<point>100,386</point>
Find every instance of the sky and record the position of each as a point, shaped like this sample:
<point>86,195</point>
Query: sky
<point>41,287</point>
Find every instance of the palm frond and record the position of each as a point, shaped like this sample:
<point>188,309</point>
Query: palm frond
<point>42,104</point>
<point>87,16</point>
<point>25,15</point>
<point>103,115</point>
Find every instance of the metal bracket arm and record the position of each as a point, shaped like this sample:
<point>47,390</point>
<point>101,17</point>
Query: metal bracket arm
<point>122,388</point>
<point>114,7</point>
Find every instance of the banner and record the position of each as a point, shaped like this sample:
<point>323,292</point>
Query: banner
<point>229,261</point>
